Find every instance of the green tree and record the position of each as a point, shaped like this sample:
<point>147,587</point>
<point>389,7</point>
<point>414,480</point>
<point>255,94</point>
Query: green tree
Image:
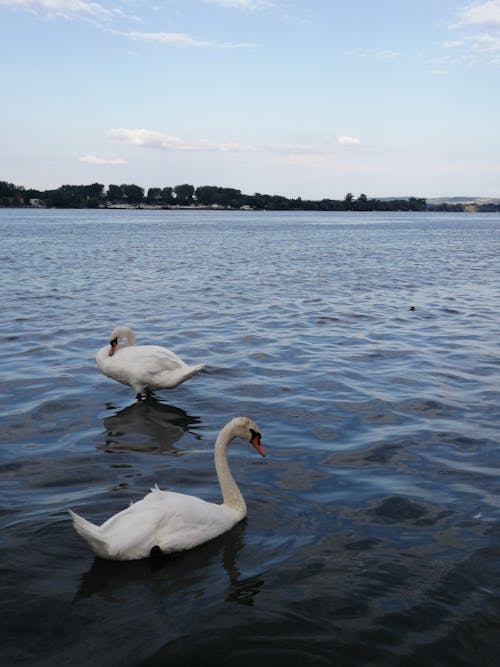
<point>11,195</point>
<point>348,201</point>
<point>184,194</point>
<point>133,194</point>
<point>207,195</point>
<point>417,204</point>
<point>115,194</point>
<point>167,195</point>
<point>362,203</point>
<point>154,196</point>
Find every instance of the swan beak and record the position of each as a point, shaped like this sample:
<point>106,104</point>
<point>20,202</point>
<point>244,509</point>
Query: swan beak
<point>257,444</point>
<point>114,345</point>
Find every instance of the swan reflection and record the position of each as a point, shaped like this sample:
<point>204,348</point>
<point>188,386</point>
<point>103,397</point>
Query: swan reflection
<point>148,426</point>
<point>181,575</point>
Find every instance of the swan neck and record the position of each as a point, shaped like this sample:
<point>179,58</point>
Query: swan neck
<point>230,492</point>
<point>129,336</point>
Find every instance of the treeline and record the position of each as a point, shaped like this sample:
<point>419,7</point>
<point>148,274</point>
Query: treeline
<point>97,195</point>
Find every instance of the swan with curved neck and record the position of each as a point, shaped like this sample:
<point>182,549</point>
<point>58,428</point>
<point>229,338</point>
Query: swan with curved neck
<point>146,368</point>
<point>171,521</point>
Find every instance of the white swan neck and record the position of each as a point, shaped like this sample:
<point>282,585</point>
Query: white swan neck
<point>129,335</point>
<point>230,492</point>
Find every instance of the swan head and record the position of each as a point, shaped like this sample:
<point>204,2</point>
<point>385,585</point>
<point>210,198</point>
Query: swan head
<point>247,430</point>
<point>118,334</point>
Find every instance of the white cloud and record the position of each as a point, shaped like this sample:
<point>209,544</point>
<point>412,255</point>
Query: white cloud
<point>356,52</point>
<point>453,44</point>
<point>98,13</point>
<point>183,40</point>
<point>479,24</point>
<point>385,54</point>
<point>348,141</point>
<point>143,137</point>
<point>388,55</point>
<point>485,14</point>
<point>242,4</point>
<point>295,149</point>
<point>169,142</point>
<point>485,43</point>
<point>160,140</point>
<point>93,159</point>
<point>65,8</point>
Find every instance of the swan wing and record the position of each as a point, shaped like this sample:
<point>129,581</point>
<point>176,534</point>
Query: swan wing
<point>172,521</point>
<point>149,358</point>
<point>145,366</point>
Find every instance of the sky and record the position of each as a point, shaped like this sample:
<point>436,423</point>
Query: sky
<point>300,98</point>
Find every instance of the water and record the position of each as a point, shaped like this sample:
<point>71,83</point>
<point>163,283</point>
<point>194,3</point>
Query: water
<point>373,529</point>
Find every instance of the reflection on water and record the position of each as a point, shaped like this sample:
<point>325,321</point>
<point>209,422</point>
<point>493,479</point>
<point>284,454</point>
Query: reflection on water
<point>147,426</point>
<point>176,573</point>
<point>373,528</point>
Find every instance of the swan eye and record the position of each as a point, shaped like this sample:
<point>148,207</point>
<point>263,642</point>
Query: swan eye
<point>114,341</point>
<point>255,434</point>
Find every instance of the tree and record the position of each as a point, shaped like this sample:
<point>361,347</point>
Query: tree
<point>417,204</point>
<point>133,194</point>
<point>154,196</point>
<point>184,194</point>
<point>94,191</point>
<point>206,195</point>
<point>115,194</point>
<point>348,199</point>
<point>11,195</point>
<point>167,195</point>
<point>362,203</point>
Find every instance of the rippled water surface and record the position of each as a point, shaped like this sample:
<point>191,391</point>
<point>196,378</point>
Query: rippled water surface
<point>373,528</point>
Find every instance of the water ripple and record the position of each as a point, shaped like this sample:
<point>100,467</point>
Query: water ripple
<point>373,531</point>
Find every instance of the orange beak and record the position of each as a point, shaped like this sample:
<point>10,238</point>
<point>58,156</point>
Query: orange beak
<point>257,444</point>
<point>113,346</point>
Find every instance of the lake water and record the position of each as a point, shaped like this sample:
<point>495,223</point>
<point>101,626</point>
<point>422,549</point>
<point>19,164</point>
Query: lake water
<point>373,528</point>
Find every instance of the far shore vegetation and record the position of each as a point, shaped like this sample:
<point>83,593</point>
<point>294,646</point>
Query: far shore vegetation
<point>182,196</point>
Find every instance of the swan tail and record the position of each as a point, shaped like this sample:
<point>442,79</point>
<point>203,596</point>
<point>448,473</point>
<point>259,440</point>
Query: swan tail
<point>172,379</point>
<point>193,370</point>
<point>90,533</point>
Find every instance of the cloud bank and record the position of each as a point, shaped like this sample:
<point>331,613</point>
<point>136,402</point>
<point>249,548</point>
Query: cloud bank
<point>485,15</point>
<point>168,142</point>
<point>183,40</point>
<point>348,141</point>
<point>163,141</point>
<point>242,4</point>
<point>93,159</point>
<point>64,8</point>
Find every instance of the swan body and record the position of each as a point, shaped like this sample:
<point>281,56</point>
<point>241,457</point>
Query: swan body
<point>174,521</point>
<point>146,368</point>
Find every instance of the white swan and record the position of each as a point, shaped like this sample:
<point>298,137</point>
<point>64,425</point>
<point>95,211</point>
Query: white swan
<point>143,367</point>
<point>171,521</point>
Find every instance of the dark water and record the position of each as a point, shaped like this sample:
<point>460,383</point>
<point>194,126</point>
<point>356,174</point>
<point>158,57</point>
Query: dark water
<point>373,529</point>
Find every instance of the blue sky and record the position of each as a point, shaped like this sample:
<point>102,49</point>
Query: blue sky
<point>311,98</point>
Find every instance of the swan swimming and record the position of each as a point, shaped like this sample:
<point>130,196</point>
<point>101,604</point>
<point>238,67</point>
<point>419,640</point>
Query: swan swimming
<point>143,367</point>
<point>169,521</point>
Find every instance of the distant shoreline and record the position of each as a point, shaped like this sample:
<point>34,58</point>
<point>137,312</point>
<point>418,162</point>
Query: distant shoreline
<point>215,198</point>
<point>456,208</point>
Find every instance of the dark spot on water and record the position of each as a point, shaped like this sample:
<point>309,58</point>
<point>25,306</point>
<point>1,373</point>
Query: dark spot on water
<point>363,545</point>
<point>383,453</point>
<point>398,509</point>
